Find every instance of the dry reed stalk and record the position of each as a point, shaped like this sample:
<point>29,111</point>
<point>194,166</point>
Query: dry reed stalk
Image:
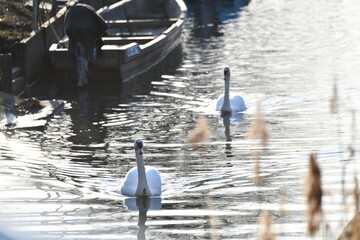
<point>353,126</point>
<point>351,149</point>
<point>258,129</point>
<point>265,220</point>
<point>214,221</point>
<point>200,133</point>
<point>283,201</point>
<point>334,100</point>
<point>313,194</point>
<point>356,194</point>
<point>256,170</point>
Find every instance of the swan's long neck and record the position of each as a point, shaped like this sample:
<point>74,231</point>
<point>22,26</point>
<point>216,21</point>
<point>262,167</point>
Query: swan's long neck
<point>226,104</point>
<point>142,187</point>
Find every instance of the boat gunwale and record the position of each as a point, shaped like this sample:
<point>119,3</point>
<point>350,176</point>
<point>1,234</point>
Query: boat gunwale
<point>175,23</point>
<point>114,56</point>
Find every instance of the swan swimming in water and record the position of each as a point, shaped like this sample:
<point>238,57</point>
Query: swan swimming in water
<point>141,180</point>
<point>228,102</point>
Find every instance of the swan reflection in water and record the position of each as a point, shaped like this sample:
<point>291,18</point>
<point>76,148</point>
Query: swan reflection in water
<point>142,204</point>
<point>227,118</point>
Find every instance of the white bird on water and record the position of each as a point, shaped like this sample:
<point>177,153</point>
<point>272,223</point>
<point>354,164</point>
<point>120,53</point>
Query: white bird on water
<point>141,180</point>
<point>229,102</point>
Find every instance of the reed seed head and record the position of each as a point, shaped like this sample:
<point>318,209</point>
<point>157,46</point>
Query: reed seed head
<point>265,220</point>
<point>352,229</point>
<point>258,129</point>
<point>313,194</point>
<point>200,133</point>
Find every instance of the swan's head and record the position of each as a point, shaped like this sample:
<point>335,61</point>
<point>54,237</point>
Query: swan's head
<point>139,144</point>
<point>226,73</point>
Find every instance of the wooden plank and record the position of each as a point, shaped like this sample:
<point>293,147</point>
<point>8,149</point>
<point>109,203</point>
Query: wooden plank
<point>143,23</point>
<point>132,34</point>
<point>127,40</point>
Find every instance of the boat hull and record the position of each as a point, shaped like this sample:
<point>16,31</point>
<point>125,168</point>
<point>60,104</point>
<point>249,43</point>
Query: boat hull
<point>128,56</point>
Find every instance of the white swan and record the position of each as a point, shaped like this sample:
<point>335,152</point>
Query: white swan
<point>141,180</point>
<point>228,102</point>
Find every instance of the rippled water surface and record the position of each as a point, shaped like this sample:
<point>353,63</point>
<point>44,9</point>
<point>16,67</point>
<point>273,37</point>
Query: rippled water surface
<point>63,182</point>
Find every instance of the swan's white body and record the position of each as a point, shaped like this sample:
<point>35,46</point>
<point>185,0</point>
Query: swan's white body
<point>141,180</point>
<point>237,103</point>
<point>131,181</point>
<point>229,102</point>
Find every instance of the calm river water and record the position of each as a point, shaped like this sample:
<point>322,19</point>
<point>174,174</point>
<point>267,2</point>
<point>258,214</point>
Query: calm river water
<point>64,182</point>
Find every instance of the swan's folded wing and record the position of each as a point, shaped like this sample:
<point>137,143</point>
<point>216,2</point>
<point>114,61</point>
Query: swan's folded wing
<point>154,180</point>
<point>237,103</point>
<point>219,103</point>
<point>131,181</point>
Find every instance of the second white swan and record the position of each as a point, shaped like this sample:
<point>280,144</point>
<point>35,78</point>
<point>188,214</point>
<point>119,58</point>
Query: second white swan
<point>141,180</point>
<point>228,102</point>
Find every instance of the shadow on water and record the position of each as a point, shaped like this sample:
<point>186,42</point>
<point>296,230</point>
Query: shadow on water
<point>88,105</point>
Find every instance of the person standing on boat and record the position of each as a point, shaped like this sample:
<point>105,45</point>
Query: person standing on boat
<point>85,28</point>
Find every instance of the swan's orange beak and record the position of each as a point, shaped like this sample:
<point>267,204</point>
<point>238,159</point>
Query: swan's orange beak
<point>140,151</point>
